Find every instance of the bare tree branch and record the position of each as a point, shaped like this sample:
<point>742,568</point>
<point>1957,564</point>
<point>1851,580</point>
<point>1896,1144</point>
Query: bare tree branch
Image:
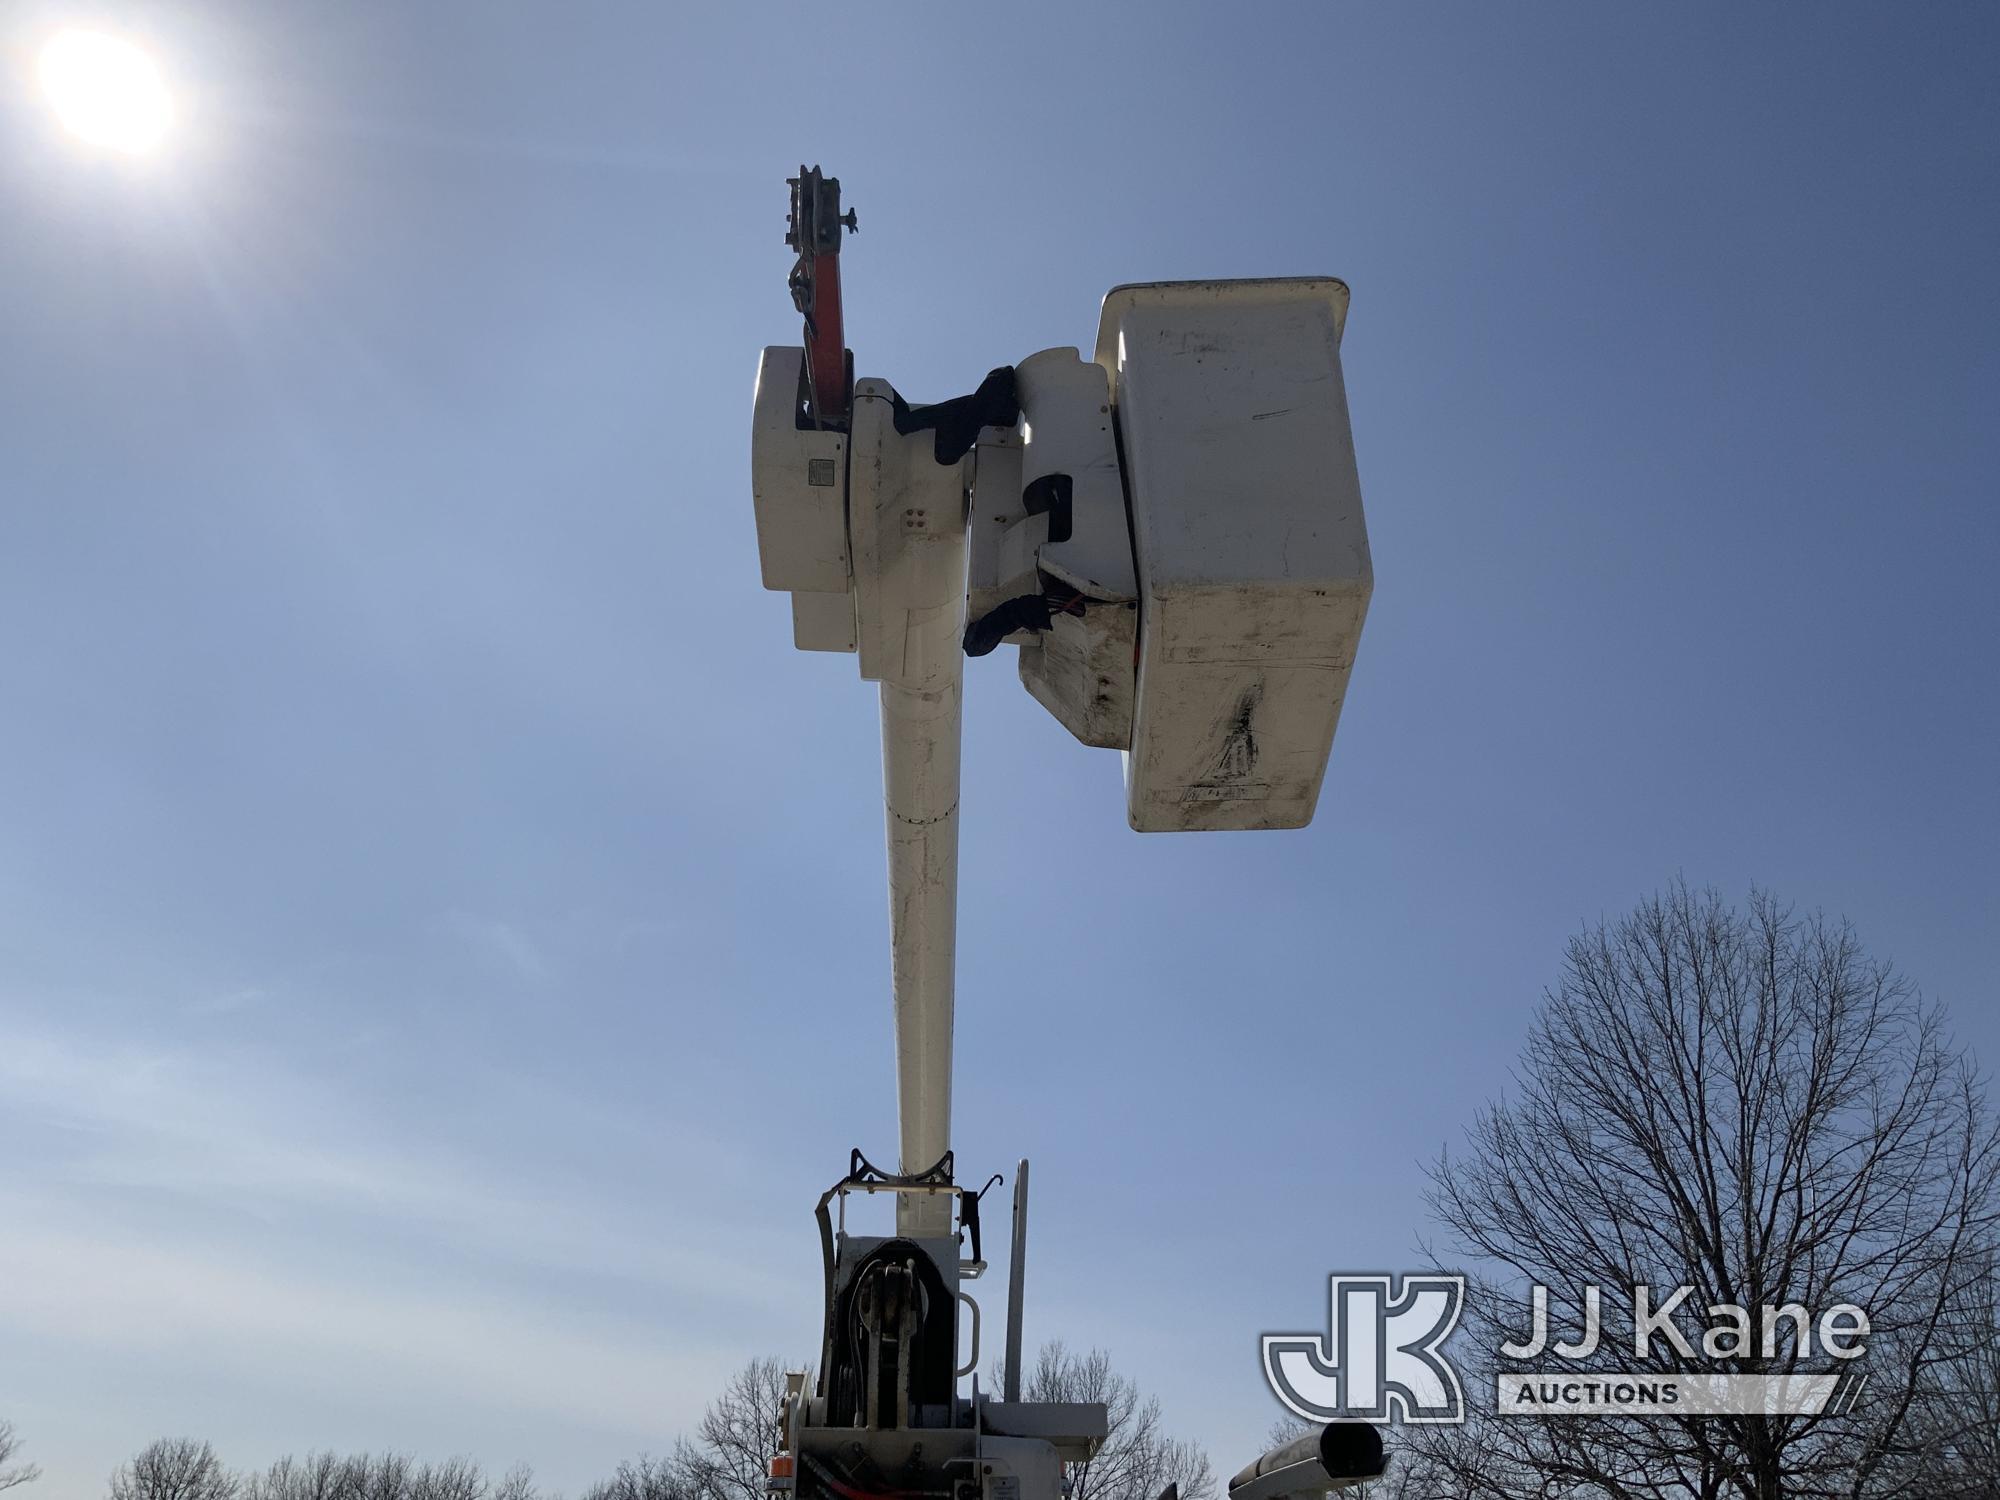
<point>1137,1460</point>
<point>12,1474</point>
<point>1747,1104</point>
<point>645,1478</point>
<point>174,1469</point>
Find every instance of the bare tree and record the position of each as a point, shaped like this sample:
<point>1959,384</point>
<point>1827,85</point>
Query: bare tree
<point>280,1481</point>
<point>1746,1104</point>
<point>12,1473</point>
<point>383,1476</point>
<point>646,1478</point>
<point>730,1457</point>
<point>388,1476</point>
<point>1956,1419</point>
<point>317,1476</point>
<point>518,1483</point>
<point>453,1479</point>
<point>742,1428</point>
<point>174,1469</point>
<point>1137,1460</point>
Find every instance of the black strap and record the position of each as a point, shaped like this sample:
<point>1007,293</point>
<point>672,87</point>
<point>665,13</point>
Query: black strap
<point>997,403</point>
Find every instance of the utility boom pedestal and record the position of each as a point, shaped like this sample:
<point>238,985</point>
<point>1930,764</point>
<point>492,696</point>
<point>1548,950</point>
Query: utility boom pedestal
<point>1171,533</point>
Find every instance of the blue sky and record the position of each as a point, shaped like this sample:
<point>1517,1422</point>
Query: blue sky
<point>442,936</point>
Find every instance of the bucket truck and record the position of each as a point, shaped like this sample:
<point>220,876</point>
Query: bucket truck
<point>1169,530</point>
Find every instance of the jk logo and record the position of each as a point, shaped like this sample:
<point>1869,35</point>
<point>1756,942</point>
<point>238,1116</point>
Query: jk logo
<point>1379,1359</point>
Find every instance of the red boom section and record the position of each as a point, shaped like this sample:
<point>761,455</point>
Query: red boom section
<point>816,223</point>
<point>826,342</point>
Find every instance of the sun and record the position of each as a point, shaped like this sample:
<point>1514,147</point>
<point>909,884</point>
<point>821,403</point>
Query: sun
<point>106,90</point>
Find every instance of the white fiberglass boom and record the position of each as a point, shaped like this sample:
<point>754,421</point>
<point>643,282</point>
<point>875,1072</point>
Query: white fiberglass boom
<point>1171,532</point>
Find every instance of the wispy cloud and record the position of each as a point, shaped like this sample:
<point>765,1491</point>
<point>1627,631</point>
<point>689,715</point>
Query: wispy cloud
<point>239,1131</point>
<point>502,945</point>
<point>237,1223</point>
<point>220,1309</point>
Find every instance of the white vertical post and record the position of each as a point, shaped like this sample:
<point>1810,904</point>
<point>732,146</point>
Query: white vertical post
<point>1017,1271</point>
<point>920,761</point>
<point>906,520</point>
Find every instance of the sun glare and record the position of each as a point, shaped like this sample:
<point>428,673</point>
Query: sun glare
<point>106,90</point>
